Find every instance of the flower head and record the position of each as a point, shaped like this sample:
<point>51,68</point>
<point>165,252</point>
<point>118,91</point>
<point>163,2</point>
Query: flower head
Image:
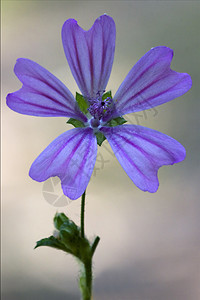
<point>71,156</point>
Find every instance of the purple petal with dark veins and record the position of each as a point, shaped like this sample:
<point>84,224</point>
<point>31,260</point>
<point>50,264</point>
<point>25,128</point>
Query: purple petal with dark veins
<point>90,53</point>
<point>71,157</point>
<point>142,151</point>
<point>42,94</point>
<point>151,82</point>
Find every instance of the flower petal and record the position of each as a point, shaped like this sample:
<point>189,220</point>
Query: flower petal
<point>151,82</point>
<point>90,53</point>
<point>142,151</point>
<point>71,157</point>
<point>42,94</point>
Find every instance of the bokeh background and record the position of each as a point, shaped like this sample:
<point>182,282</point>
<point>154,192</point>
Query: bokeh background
<point>150,243</point>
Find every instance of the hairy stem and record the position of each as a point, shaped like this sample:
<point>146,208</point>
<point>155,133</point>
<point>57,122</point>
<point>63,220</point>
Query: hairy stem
<point>85,280</point>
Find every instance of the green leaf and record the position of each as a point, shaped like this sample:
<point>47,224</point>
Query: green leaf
<point>75,123</point>
<point>52,242</point>
<point>107,95</point>
<point>100,138</point>
<point>117,121</point>
<point>82,103</point>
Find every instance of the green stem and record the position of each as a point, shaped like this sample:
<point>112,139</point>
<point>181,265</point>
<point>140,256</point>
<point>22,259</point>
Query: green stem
<point>86,280</point>
<point>86,260</point>
<point>86,273</point>
<point>82,214</point>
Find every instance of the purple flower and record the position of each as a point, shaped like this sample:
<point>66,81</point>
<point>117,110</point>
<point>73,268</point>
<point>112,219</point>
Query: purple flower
<point>71,156</point>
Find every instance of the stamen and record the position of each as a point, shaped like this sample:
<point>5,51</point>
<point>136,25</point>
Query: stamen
<point>100,108</point>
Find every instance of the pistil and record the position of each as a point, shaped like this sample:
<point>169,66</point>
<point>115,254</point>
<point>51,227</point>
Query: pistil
<point>99,108</point>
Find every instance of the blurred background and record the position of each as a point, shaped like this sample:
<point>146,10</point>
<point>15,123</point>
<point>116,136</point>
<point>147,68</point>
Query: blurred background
<point>150,243</point>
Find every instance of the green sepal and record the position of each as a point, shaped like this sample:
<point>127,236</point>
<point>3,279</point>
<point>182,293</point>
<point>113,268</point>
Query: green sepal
<point>70,236</point>
<point>117,121</point>
<point>59,219</point>
<point>82,103</point>
<point>70,227</point>
<point>69,233</point>
<point>75,123</point>
<point>107,95</point>
<point>52,242</point>
<point>71,241</point>
<point>100,138</point>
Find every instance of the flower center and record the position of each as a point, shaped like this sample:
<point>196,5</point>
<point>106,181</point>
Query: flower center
<point>100,107</point>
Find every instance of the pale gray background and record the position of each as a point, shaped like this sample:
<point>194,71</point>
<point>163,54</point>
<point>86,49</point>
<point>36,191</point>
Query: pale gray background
<point>150,243</point>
